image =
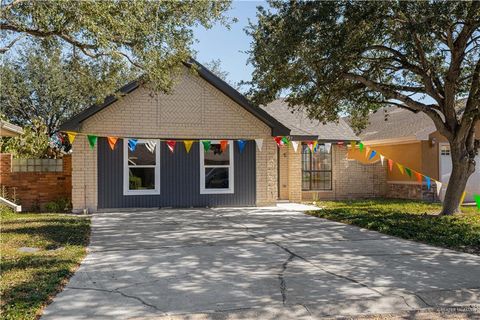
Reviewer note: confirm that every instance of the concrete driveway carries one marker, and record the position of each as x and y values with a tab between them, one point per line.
268	263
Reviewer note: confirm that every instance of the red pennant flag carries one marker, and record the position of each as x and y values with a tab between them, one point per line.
223	145
390	164
112	141
171	145
278	140
419	177
310	145
340	144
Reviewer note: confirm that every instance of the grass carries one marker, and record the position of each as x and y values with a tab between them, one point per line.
30	280
411	220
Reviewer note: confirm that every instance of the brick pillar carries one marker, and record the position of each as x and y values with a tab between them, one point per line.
295	174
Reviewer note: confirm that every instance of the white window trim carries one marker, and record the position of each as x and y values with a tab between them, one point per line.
126	185
230	188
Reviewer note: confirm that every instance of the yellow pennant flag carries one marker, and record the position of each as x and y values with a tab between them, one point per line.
353	144
400	167
463	197
188	145
71	136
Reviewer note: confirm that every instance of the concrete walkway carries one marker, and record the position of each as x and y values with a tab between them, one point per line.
266	263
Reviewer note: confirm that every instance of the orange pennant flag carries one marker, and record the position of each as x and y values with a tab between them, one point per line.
223	145
419	177
390	164
188	145
112	141
367	151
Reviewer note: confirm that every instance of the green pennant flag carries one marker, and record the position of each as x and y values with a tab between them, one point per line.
285	141
360	146
92	140
408	171
477	200
206	145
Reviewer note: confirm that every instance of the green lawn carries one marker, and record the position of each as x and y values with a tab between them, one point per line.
30	280
412	220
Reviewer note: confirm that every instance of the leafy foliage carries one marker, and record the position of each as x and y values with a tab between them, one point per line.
33	143
409	220
153	36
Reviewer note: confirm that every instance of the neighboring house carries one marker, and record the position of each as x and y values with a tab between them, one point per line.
412	140
203	107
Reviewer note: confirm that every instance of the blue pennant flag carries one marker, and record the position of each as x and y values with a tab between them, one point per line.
429	182
132	144
372	155
241	145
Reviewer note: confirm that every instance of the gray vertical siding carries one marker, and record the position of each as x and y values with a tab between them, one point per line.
179	179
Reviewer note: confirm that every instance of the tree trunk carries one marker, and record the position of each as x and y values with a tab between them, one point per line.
462	168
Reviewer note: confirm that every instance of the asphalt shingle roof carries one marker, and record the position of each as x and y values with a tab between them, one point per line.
301	125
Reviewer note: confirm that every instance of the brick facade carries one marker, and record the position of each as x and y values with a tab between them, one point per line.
412	190
194	110
350	178
34	189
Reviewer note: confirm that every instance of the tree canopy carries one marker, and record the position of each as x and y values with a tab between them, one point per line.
352	57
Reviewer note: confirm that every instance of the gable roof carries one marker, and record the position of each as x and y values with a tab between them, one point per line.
303	128
278	129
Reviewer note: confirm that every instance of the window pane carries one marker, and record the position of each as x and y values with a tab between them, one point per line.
215	156
141	155
321	160
321	180
216	178
306	181
141	178
305	157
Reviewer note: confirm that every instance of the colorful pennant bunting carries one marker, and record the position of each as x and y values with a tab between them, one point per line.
438	184
132	144
477	200
400	168
429	182
360	146
382	158
408	171
112	141
328	147
92	140
295	146
285	141
150	145
241	145
206	145
278	140
171	145
463	197
188	145
259	143
390	164
419	177
372	155
71	136
223	145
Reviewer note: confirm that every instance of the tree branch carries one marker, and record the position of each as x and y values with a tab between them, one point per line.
10	45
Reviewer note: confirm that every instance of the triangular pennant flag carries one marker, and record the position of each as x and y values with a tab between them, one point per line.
150	145
223	145
463	197
315	146
400	167
390	164
353	144
477	200
112	141
408	171
188	145
295	146
328	147
372	155
360	146
132	144
310	146
367	151
171	145
92	140
71	136
419	177
382	158
439	187
340	143
206	145
278	140
241	145
259	143
429	182
285	141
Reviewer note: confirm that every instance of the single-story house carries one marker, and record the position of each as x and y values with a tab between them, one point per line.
412	140
205	144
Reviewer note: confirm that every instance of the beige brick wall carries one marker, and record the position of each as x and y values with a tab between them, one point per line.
350	178
194	110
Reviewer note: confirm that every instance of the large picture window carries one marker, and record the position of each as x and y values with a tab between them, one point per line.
316	168
216	169
141	174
